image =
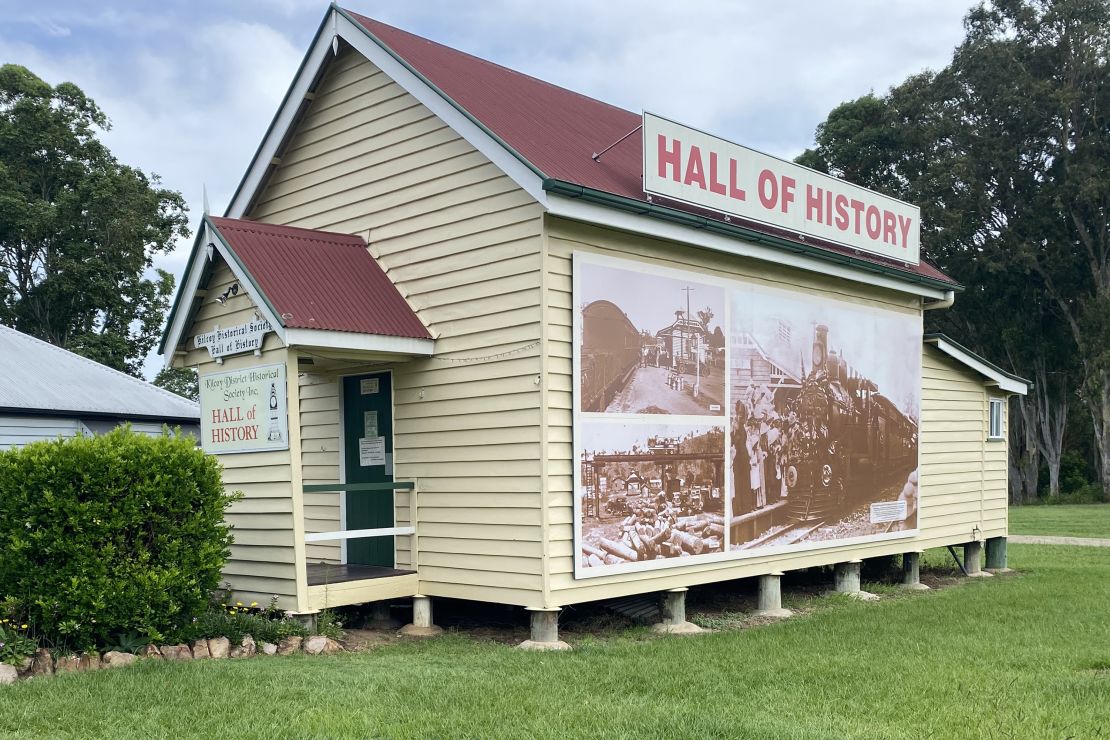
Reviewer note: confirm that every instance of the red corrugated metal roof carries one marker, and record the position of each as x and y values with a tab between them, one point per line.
320	279
558	130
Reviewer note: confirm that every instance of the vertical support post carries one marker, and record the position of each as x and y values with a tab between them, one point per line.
996	555
422	624
846	580
674	615
911	572
296	480
770	597
972	560
544	631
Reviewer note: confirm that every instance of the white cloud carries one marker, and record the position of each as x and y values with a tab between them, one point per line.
191	87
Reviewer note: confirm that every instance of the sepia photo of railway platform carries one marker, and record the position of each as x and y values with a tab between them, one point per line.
650	344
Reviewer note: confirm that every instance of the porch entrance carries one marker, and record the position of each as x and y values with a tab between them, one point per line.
368	458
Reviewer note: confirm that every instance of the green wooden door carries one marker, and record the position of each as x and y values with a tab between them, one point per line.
368	458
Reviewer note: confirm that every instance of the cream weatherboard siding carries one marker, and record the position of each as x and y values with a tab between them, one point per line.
463	245
953	430
263	559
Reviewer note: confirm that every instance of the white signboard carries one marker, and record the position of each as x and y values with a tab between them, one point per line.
244	410
234	339
696	168
371	451
368	386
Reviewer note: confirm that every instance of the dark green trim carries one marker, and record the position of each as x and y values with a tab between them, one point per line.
334	487
933	336
620	202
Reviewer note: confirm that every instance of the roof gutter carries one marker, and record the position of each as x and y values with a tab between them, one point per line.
600	197
946	302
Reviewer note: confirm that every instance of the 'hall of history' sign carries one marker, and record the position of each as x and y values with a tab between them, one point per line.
696	168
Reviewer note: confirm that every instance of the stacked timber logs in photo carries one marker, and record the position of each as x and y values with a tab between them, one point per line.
666	537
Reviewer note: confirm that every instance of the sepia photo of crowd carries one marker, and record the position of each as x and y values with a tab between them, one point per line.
824	419
649	344
650	491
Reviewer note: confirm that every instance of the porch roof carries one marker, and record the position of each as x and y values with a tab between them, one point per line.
320	279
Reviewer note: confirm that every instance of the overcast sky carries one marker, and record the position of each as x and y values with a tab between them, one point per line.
190	87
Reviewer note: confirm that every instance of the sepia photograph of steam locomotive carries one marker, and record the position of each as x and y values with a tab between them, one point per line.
649	343
824	425
649	491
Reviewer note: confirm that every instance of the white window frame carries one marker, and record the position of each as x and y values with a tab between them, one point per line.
994	432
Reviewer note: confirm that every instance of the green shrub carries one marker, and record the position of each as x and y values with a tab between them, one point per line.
109	535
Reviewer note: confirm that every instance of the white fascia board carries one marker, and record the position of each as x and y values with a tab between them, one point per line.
313	61
579	210
494	150
1004	383
330	339
410	82
187	296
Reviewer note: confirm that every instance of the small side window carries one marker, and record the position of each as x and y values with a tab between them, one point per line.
995	419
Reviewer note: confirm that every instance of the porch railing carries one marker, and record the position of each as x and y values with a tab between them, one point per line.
354	534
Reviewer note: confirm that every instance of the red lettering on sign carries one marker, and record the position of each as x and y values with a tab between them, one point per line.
768	199
904	226
734	190
874	222
842	212
857	208
670	157
788	186
888	228
714	184
815	204
695	172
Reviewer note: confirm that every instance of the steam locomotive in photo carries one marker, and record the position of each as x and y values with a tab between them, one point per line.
842	439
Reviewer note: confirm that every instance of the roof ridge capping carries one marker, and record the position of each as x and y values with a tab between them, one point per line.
246	224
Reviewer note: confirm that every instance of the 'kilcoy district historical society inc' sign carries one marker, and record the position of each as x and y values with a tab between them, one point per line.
694	167
244	410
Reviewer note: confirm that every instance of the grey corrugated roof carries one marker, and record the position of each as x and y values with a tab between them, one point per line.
36	376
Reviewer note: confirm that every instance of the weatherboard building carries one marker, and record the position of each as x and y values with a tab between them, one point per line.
388	323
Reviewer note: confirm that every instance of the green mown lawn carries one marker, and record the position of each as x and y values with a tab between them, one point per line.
1021	656
1090	520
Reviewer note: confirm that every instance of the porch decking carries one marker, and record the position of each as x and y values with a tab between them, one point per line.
320	574
332	585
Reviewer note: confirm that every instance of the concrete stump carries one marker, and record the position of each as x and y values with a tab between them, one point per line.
972	560
307	620
996	555
422	624
846	580
674	615
911	572
545	631
770	597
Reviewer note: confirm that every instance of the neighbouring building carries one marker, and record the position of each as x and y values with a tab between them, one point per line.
47	392
420	331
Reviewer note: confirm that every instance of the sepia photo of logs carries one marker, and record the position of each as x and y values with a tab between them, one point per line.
663	537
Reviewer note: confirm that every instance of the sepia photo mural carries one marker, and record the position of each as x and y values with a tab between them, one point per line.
717	418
